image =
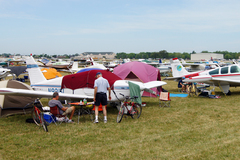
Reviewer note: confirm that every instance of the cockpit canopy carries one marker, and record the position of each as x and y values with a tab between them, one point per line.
225	70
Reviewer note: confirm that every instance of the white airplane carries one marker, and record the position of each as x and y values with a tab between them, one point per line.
223	77
45	88
93	65
58	65
200	66
4	72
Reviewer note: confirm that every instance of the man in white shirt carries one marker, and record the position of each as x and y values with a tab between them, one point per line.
101	86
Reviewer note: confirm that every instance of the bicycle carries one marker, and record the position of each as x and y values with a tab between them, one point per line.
131	108
192	90
38	115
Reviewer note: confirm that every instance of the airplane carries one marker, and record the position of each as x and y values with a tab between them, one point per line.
223	77
4	72
45	88
200	66
93	65
56	65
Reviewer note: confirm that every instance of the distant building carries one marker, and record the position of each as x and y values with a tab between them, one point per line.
98	55
206	56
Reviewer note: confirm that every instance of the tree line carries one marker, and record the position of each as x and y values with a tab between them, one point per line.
168	55
142	55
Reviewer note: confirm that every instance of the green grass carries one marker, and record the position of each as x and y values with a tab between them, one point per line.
192	128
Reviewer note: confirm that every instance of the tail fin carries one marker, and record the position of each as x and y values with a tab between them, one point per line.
92	61
34	72
45	61
74	66
177	68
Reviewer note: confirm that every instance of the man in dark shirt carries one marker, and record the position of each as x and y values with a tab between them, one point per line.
63	110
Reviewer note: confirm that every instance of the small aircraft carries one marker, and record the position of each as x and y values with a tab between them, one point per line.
93	65
75	86
56	65
223	77
200	66
4	72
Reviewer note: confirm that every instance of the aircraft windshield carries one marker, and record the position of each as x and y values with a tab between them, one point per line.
235	69
216	71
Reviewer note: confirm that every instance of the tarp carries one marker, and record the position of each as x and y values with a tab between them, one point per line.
50	73
17	70
138	71
86	79
135	91
10	105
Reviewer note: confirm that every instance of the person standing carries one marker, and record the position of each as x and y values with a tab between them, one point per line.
101	86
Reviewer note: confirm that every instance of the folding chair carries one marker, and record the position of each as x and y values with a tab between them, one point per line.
164	99
56	113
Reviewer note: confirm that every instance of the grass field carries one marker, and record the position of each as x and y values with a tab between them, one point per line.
192	128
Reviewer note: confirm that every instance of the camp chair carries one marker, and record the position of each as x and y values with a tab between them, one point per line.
55	112
164	99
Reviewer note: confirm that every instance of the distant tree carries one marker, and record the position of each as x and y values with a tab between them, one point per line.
163	54
204	52
227	56
121	55
131	55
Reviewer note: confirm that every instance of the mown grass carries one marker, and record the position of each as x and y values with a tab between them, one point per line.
192	128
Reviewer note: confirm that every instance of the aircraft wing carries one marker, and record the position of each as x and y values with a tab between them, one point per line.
40	94
173	78
153	84
192	64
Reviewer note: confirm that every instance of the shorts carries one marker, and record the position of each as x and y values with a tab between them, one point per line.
69	110
101	98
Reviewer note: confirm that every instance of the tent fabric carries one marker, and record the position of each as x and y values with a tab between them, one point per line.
17	69
10	105
88	69
50	73
135	91
86	79
138	71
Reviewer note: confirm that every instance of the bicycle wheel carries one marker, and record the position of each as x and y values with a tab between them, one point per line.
190	92
120	114
43	122
35	117
136	110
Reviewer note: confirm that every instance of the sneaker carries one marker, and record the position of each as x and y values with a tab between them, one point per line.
105	121
70	121
95	121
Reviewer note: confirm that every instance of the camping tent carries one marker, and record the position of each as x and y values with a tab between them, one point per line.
10	105
138	71
50	73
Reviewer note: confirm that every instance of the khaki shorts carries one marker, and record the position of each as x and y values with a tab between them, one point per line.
69	110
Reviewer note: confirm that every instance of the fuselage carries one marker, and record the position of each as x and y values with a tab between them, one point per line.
54	85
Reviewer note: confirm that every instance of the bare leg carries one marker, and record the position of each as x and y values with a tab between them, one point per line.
96	111
104	111
73	110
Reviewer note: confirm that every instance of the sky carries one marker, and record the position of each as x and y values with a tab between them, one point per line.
130	26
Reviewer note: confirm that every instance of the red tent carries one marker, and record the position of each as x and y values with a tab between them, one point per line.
86	79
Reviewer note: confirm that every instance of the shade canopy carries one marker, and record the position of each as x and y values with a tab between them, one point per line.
86	79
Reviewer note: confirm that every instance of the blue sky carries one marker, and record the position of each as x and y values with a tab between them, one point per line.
76	26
